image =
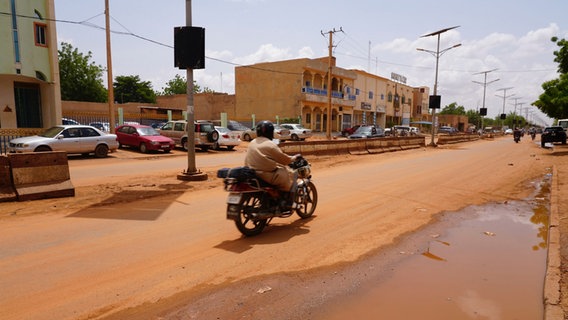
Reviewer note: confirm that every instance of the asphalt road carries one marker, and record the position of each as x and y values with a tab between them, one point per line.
156	254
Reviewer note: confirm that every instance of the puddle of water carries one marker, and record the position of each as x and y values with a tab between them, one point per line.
489	266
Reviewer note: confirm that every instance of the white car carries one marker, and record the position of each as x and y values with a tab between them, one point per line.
73	139
297	131
227	138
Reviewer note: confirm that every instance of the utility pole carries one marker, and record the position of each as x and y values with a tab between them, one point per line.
514	122
485	83
109	70
329	75
505	96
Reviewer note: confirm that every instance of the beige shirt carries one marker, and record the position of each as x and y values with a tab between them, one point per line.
265	155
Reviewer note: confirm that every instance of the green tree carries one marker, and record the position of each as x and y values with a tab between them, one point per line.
473	117
453	108
81	80
178	85
554	100
561	54
132	89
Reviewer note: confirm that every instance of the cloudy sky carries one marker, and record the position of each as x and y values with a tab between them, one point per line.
381	37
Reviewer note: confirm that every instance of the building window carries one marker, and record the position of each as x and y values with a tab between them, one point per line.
370	94
356	92
40	32
308	117
389	97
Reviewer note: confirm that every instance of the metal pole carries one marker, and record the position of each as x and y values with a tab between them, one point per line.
191	173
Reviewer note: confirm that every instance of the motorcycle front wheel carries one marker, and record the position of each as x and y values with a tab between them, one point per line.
306	199
245	222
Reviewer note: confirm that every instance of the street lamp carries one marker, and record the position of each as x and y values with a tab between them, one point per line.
505	96
484	83
437	54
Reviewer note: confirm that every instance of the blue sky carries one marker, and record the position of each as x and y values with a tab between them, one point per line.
378	36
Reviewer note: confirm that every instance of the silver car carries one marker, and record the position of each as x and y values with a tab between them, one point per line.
73	139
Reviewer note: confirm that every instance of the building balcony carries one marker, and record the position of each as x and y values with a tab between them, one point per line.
311	94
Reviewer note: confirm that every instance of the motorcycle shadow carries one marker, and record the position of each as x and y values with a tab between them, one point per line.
275	232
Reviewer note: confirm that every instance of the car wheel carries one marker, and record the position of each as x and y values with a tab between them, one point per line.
246	137
542	143
216	146
167	150
230	148
143	148
101	151
184	144
204	148
42	149
213	136
295	137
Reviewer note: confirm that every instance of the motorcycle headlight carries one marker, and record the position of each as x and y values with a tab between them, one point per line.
304	172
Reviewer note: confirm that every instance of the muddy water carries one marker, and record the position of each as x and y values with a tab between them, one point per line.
490	265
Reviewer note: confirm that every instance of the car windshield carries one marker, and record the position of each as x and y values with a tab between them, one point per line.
222	129
52	132
147	131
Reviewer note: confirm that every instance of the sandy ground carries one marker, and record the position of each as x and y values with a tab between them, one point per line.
481	185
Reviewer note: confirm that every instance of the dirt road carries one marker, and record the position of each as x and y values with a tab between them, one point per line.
155	247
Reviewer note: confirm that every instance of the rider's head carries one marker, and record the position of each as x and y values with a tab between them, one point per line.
265	129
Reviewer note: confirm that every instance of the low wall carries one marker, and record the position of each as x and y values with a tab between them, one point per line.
352	146
449	139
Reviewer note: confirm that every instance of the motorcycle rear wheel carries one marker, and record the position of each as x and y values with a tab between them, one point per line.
246	223
306	199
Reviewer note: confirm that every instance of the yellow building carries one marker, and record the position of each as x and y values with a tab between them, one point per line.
297	90
29	67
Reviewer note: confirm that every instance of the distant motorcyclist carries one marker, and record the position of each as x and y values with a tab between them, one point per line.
517	133
269	161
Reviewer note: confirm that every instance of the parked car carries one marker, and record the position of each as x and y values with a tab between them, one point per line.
404	131
349	131
103	126
232	125
227	138
144	138
448	130
69	121
297	131
205	133
508	131
368	131
280	134
73	139
553	134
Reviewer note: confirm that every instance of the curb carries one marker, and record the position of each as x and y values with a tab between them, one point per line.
551	295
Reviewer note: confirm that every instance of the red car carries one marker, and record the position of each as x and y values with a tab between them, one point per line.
143	137
349	131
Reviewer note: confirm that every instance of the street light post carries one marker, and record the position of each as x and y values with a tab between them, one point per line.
437	54
485	83
505	96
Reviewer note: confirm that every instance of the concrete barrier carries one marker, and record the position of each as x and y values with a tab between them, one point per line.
41	175
352	146
7	192
448	139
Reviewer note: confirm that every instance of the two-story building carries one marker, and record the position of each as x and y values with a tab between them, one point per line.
29	71
298	89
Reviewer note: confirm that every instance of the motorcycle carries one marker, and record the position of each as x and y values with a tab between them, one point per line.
517	136
253	203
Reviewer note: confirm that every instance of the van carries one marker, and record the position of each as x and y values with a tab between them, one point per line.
205	133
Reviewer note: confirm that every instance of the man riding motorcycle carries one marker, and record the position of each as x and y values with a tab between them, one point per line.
269	162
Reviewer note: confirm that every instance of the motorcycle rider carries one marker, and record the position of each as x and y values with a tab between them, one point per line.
269	161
